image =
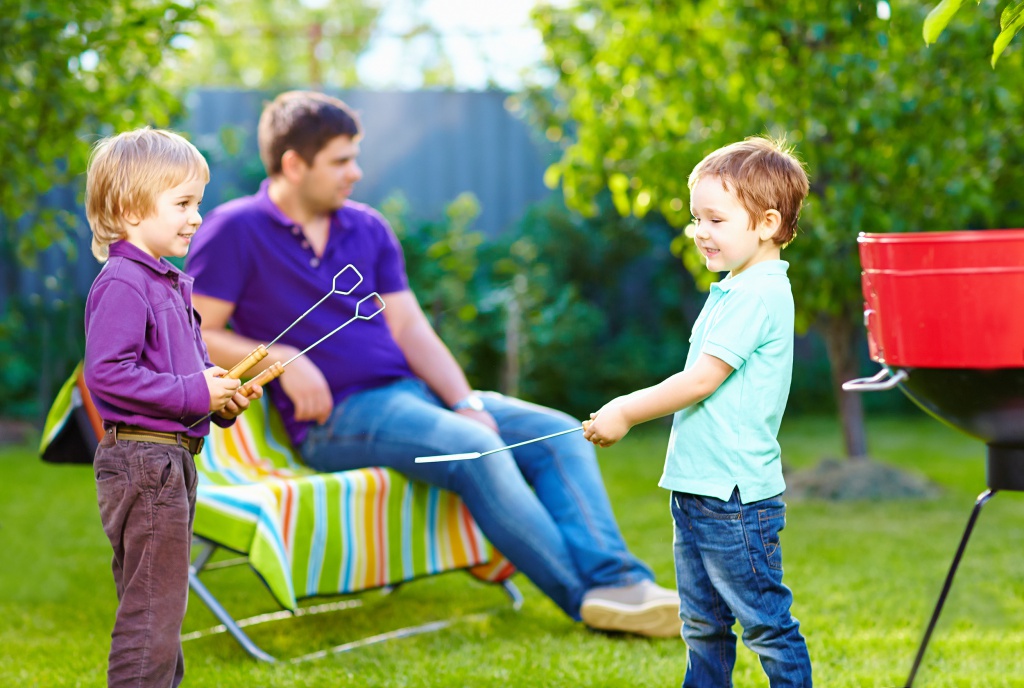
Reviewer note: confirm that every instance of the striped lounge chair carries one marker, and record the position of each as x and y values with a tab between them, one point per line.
309	534
305	534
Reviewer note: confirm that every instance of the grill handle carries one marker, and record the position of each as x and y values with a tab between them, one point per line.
878	383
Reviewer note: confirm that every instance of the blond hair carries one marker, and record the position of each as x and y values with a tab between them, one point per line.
765	175
127	173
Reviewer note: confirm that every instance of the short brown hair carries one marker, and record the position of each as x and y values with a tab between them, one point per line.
305	122
765	175
127	173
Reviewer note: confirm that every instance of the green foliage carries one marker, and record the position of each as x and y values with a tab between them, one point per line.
1011	21
279	44
442	259
563	310
41	341
895	137
70	73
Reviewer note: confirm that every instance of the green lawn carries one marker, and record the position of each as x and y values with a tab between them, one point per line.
865	576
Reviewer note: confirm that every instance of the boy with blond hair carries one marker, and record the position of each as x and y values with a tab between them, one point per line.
151	379
724	465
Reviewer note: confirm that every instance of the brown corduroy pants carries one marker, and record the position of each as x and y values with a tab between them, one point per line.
147	497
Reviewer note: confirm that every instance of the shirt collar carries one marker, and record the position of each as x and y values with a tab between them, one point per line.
762	269
126	249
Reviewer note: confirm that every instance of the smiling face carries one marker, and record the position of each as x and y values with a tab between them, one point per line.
726	236
325	185
168	229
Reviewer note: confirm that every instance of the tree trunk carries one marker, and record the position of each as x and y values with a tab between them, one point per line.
841	343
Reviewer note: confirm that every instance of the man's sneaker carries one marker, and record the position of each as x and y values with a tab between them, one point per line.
643	608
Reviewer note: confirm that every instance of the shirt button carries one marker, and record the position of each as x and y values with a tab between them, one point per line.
305	244
315	262
295	230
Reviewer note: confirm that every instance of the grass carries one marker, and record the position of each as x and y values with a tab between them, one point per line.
865	576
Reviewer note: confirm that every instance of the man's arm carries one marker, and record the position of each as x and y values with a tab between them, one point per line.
429	357
302	381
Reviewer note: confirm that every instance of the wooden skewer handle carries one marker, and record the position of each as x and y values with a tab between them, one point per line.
271	373
258	354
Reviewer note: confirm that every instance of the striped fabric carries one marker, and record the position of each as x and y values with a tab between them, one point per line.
308	533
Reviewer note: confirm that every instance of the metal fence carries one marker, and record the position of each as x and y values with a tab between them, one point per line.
430	146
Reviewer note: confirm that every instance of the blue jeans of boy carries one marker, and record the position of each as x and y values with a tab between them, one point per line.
728	569
544	505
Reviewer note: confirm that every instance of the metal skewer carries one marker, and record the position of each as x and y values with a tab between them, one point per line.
277	369
477	455
260	352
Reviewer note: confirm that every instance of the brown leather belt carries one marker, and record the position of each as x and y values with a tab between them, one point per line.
137	434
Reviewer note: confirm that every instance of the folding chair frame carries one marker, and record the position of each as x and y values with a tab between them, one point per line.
201	562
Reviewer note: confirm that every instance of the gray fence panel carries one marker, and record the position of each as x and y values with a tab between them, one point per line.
430	146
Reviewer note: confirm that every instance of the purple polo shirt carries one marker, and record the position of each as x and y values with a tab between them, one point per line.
251	254
144	355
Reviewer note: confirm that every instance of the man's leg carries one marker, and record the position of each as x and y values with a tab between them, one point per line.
567	479
544	534
391	426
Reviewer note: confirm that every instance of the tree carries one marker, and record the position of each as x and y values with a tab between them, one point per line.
279	43
1011	21
896	137
70	73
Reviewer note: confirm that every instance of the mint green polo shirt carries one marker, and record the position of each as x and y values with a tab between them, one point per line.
730	440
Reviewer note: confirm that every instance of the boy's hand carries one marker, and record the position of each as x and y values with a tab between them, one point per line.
608	425
240	402
221	388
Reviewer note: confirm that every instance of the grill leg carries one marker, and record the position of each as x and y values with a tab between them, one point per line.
980	502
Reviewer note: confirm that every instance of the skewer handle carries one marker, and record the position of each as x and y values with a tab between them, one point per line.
271	373
258	354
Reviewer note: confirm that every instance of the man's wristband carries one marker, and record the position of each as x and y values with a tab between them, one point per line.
471	401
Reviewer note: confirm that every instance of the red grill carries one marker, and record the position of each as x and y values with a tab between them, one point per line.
945	317
945	299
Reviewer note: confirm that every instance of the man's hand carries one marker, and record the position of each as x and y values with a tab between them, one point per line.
608	425
307	387
482	417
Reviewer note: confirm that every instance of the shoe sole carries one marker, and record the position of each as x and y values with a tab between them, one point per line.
654	620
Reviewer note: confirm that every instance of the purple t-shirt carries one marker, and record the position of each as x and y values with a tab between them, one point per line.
251	254
144	355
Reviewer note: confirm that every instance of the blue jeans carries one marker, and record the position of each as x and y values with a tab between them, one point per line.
544	505
729	568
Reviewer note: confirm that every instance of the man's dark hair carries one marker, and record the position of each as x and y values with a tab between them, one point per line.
302	121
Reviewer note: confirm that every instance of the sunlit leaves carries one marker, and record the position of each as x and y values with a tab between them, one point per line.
69	74
1011	21
937	20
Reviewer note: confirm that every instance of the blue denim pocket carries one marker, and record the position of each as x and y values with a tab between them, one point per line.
770	521
714	508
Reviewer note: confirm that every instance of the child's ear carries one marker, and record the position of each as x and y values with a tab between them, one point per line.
770	224
131	218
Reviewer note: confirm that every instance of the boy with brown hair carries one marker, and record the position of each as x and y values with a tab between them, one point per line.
724	464
151	379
